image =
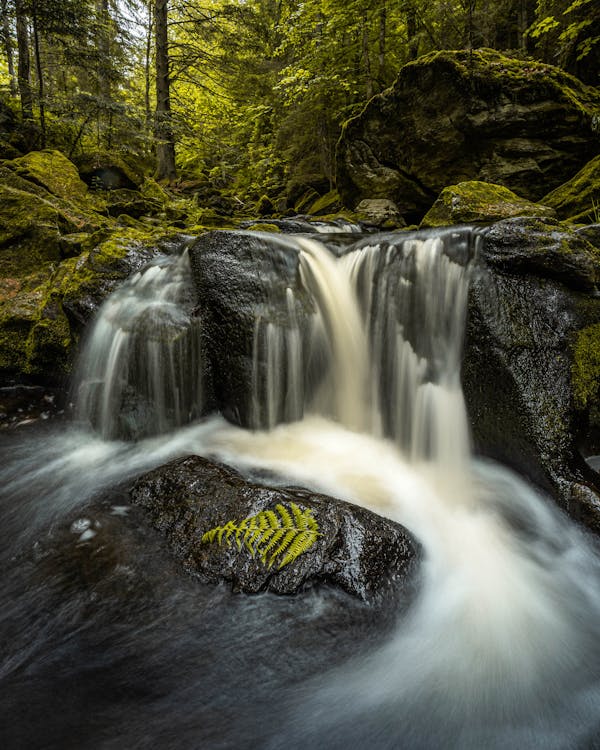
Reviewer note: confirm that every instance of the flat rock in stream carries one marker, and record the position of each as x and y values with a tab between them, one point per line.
356	550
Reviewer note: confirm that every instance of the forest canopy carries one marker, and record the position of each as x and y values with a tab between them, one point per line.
249	95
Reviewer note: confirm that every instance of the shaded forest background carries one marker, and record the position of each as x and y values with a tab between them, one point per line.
248	96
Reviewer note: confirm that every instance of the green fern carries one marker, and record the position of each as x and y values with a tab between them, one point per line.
270	534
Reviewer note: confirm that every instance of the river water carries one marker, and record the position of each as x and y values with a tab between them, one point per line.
105	645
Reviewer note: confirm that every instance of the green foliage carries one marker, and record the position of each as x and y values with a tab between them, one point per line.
270	534
568	33
585	371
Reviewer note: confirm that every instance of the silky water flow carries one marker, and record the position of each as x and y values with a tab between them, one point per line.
501	646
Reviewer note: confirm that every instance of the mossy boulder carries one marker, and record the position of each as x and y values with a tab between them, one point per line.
452	117
131	203
380	212
474	201
30	231
578	199
103	170
327	204
43	313
151	190
264	206
264	227
52	171
586	367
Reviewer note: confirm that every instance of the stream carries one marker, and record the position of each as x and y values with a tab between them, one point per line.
105	644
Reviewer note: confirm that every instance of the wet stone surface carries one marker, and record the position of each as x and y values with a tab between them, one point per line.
362	553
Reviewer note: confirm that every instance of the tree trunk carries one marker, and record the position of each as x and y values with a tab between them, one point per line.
103	48
411	30
366	57
6	35
147	69
165	142
24	72
382	33
40	73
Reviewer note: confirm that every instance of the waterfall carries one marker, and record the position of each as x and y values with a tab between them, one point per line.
385	341
140	370
353	384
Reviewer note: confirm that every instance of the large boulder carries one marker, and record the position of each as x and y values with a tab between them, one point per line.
60	255
52	171
242	283
578	199
44	311
468	115
359	551
529	385
103	170
474	201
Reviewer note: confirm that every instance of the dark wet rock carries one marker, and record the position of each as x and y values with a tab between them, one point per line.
358	551
467	115
532	292
545	248
241	279
24	403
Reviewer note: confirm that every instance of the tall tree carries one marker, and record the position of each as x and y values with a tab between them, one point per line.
165	141
8	47
24	64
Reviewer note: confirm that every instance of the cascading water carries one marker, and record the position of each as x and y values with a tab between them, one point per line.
499	650
140	372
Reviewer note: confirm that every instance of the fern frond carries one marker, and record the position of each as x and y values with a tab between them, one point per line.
287	540
297	547
270	534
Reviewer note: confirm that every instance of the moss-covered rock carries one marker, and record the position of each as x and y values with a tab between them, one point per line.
305	201
43	313
103	170
531	367
328	204
586	366
451	117
263	227
131	203
53	171
578	200
151	190
544	248
264	206
380	212
30	231
475	201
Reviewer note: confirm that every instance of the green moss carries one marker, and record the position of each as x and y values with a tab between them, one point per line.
475	201
264	206
327	204
263	227
306	200
53	171
35	336
578	200
585	371
151	189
